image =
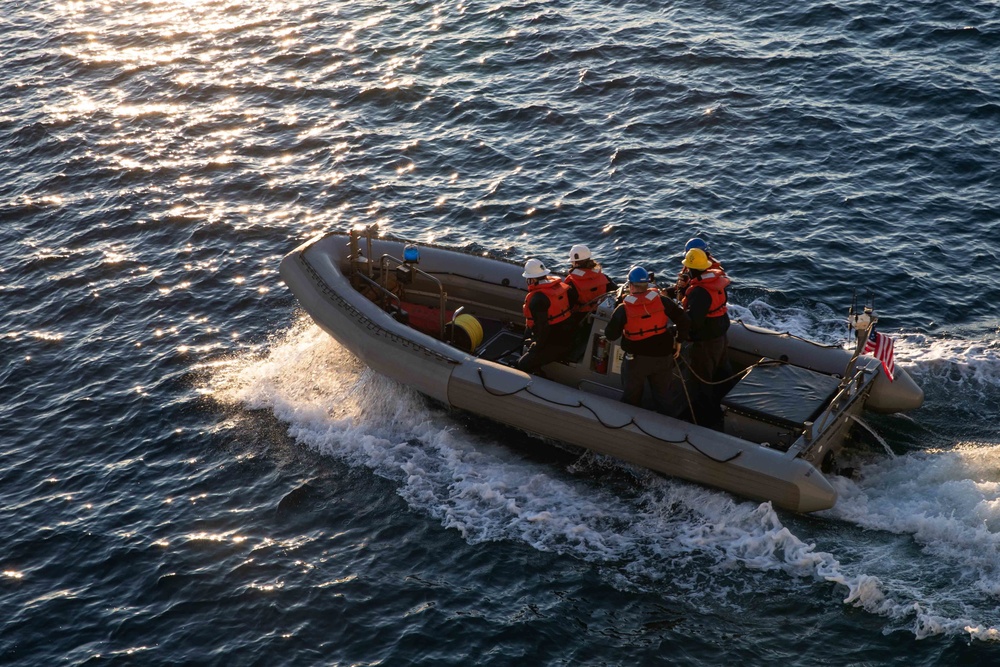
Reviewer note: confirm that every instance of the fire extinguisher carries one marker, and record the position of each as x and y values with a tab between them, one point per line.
599	359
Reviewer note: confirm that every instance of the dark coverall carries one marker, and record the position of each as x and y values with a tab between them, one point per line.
707	357
549	343
652	360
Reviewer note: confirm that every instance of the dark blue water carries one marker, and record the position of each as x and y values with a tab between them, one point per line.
192	473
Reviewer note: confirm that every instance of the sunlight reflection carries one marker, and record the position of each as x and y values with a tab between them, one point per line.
268	588
338	582
115	255
204	536
47	336
80	106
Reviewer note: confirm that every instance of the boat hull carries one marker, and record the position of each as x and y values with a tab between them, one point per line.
638	436
318	274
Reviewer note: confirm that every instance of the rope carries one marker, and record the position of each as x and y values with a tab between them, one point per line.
694	420
489	391
739	374
687	395
580	404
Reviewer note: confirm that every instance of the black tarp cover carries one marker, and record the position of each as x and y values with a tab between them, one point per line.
783	394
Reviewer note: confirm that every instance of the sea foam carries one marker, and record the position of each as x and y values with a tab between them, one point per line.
647	529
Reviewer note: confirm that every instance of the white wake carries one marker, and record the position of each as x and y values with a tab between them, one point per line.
927	558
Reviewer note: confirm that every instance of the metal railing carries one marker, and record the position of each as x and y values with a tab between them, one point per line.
442	295
382	291
361	266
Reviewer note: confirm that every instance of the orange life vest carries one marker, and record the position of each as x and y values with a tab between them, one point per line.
589	285
644	315
715	265
558	293
715	282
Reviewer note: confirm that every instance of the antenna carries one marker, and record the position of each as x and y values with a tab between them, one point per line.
861	321
851	313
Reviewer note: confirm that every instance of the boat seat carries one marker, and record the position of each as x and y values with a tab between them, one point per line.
491	327
500	346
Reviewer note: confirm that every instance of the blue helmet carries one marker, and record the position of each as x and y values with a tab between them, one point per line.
637	274
411	254
695	243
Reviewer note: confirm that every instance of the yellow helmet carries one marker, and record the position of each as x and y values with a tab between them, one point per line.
696	259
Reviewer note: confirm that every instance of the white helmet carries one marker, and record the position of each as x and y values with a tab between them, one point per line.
578	253
534	268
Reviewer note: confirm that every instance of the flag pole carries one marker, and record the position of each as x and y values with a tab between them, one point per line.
862	323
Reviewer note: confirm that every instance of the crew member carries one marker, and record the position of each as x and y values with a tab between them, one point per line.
651	344
588	279
701	245
547	310
676	291
705	301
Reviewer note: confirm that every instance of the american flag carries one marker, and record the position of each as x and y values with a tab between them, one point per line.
881	347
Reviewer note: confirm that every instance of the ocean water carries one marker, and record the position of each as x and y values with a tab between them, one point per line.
192	473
